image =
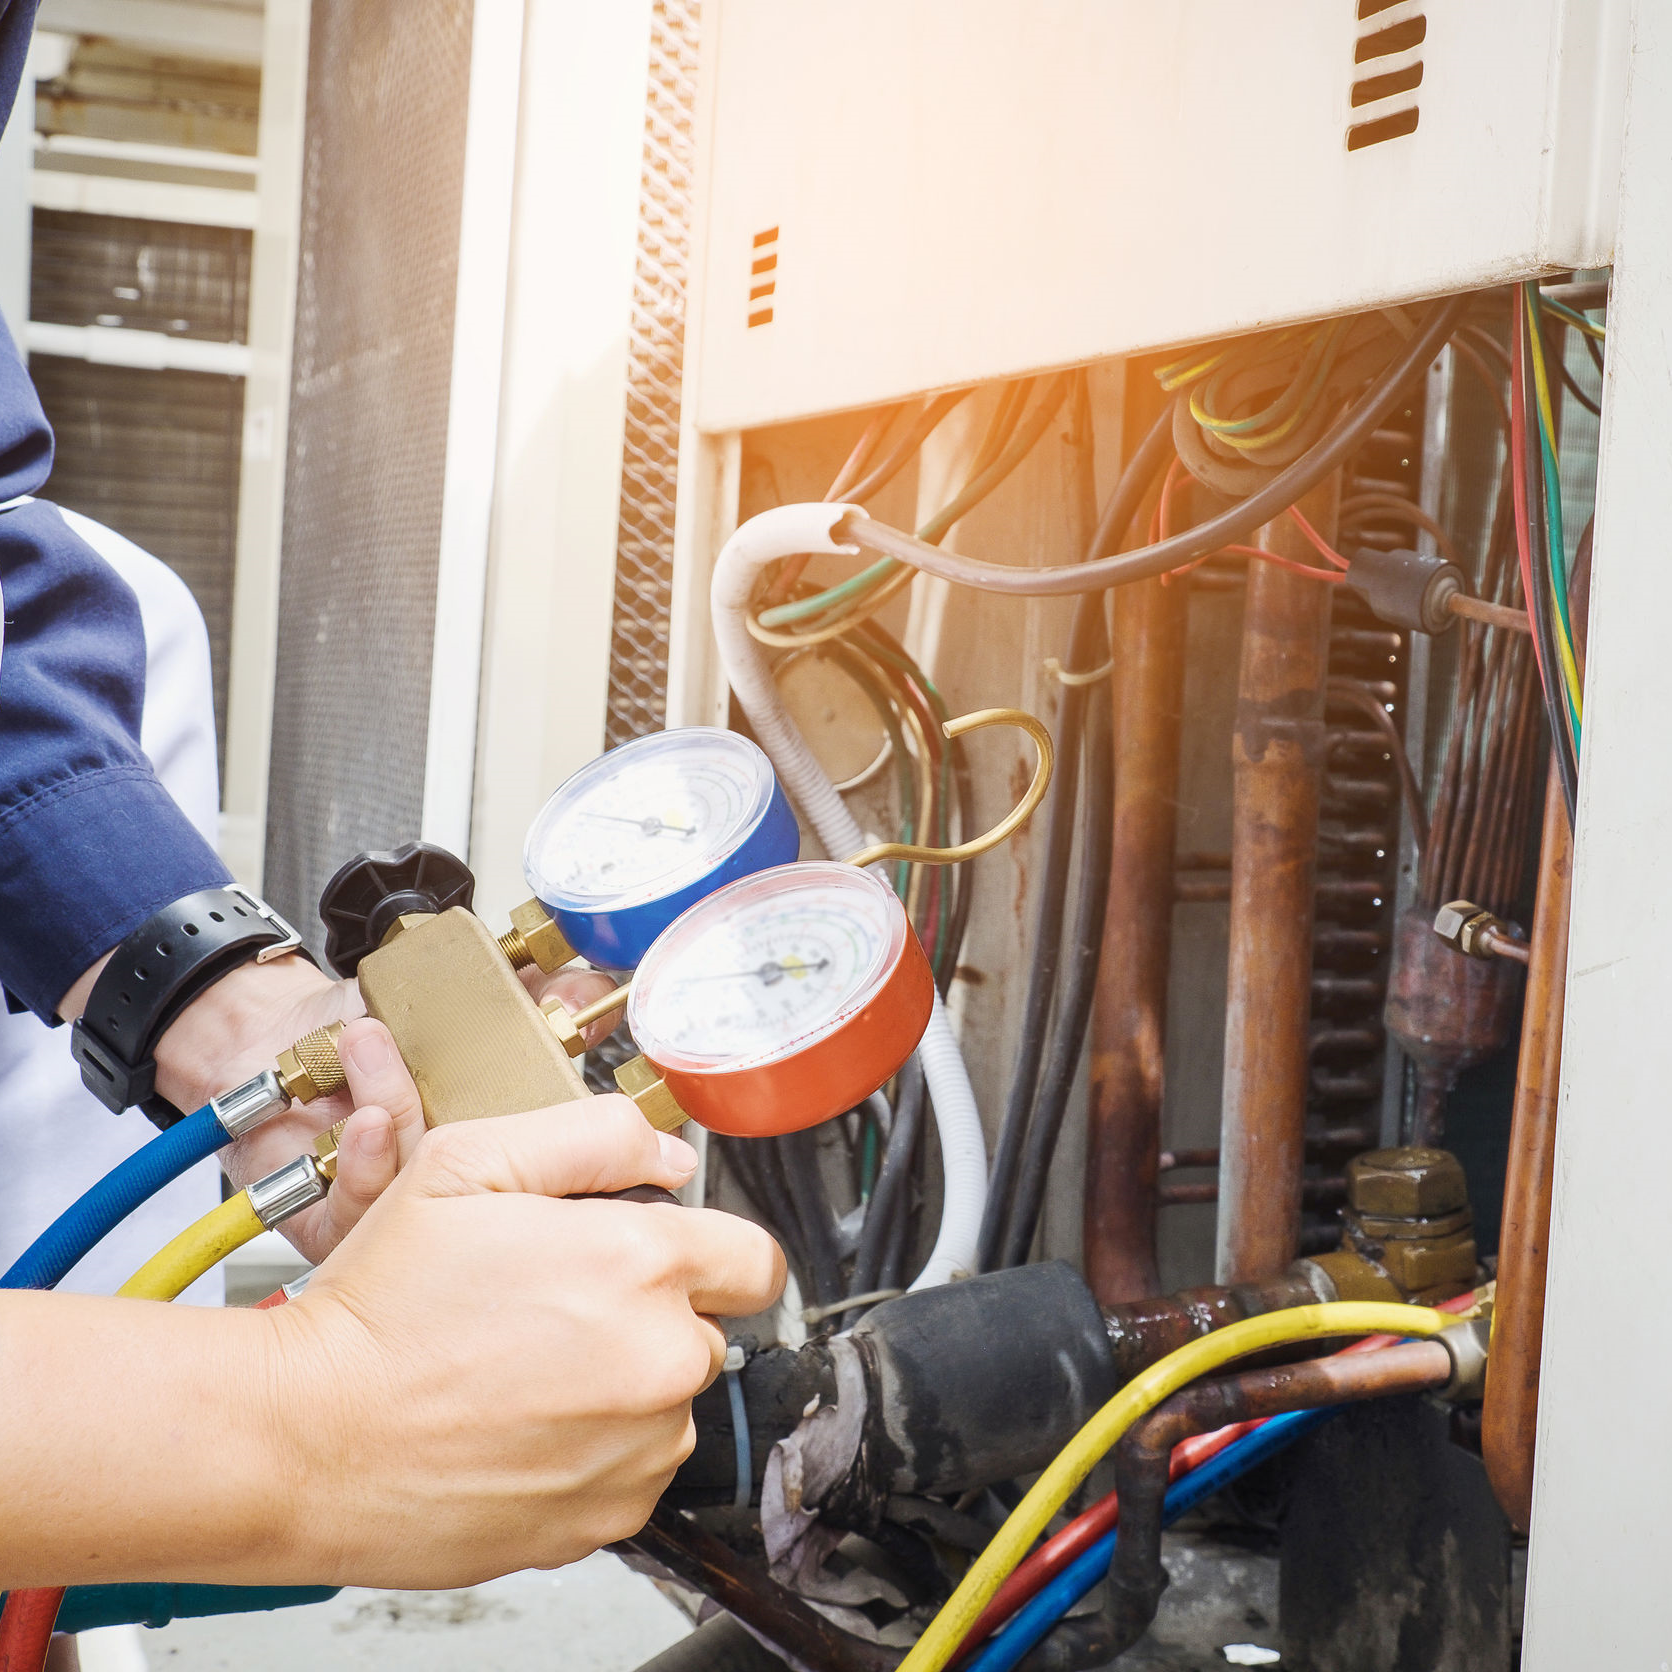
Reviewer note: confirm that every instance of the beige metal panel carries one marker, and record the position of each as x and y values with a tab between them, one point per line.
558	475
255	595
220	29
1601	1538
962	189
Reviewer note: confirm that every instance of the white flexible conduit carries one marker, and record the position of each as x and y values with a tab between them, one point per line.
780	533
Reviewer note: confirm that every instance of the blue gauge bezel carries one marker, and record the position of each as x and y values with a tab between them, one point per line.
618	937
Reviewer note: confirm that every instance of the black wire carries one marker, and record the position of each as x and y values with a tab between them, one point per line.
1229	526
1594	349
1541	605
1068	1038
743	1156
1047	945
891	1192
1554	356
902	1232
1088	644
798	1151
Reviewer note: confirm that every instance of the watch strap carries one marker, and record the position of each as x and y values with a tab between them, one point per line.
154	974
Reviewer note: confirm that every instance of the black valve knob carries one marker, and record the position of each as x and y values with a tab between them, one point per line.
361	902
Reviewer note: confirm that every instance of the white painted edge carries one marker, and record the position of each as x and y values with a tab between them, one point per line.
145	200
110	345
490	155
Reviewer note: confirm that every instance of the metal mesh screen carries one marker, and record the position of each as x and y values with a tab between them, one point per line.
388	91
650	459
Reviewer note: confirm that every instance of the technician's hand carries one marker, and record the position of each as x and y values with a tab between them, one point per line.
485	1377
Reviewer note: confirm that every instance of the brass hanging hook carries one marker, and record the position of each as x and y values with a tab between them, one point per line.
1009	824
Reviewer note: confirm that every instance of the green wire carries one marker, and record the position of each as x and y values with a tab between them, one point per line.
1553	513
1574	317
1312	371
833	597
867	1155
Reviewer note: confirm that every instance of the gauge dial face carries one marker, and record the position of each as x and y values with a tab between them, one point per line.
764	967
647	818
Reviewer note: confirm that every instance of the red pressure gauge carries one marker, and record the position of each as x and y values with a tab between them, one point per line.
782	1000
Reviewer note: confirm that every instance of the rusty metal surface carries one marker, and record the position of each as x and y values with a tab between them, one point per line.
1394	1556
1447	1011
1143	1458
1511	1409
1278	757
1129	1021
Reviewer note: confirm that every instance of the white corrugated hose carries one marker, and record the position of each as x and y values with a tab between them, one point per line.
784	532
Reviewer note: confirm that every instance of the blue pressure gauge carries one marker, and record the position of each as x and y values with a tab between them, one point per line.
636	836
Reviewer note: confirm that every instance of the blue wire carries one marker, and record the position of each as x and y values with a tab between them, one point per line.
43	1264
1051	1601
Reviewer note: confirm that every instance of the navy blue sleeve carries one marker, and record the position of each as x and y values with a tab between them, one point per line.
91	844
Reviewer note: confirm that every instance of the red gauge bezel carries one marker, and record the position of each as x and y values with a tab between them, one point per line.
826	1079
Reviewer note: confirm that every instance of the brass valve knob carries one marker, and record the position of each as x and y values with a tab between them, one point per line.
640	1081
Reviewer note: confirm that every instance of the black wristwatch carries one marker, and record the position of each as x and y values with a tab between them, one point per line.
154	974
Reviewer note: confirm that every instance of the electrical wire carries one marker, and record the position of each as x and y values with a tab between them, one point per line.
80	1228
1057	580
1145	1391
1555	538
872	587
1525	468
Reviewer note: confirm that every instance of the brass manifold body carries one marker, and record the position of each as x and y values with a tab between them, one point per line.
468	1030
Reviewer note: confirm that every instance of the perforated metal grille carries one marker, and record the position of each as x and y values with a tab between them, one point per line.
650	460
382	188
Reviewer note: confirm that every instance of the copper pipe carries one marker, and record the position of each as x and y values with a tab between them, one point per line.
1317	1192
1278	757
1511	1409
1196	891
1129	1021
706	1563
1144	1456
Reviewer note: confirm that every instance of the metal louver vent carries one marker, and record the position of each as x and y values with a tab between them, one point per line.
1387	71
650	461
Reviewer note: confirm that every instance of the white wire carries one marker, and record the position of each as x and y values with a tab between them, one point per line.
785	532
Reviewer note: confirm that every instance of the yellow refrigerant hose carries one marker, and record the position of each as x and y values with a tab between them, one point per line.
179	1264
1145	1391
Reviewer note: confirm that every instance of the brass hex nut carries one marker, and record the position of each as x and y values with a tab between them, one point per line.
1408	1183
639	1079
540	936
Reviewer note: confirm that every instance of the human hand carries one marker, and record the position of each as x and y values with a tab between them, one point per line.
237	1027
486	1378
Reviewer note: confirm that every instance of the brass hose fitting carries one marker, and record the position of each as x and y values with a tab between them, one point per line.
311	1067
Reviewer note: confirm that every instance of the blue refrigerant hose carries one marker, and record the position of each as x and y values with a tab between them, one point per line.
44	1263
1041	1611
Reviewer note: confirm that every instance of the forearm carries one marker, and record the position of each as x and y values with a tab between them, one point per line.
145	1442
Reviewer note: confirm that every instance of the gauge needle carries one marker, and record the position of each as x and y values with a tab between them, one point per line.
651	826
770	972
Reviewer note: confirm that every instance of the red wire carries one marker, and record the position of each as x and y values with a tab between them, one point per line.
1324	549
26	1628
1062	1548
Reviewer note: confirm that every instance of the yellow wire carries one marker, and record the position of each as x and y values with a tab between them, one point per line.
197	1249
1547	416
1142	1394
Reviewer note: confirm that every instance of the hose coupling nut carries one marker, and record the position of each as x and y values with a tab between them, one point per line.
311	1067
286	1190
245	1107
1467	1343
1478	933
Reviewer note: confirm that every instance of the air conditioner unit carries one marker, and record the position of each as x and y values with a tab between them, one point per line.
902	198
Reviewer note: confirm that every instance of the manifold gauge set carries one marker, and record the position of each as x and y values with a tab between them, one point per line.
769	995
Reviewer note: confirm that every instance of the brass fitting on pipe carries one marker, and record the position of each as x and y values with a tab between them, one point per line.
1479	933
533	939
